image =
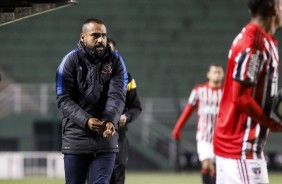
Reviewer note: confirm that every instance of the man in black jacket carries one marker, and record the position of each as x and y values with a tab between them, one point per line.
131	111
91	89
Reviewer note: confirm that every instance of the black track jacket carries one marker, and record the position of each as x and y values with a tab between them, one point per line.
132	107
90	87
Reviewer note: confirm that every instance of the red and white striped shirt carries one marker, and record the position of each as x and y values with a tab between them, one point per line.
207	100
253	62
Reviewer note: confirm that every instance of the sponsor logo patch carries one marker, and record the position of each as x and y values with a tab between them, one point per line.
257	171
107	68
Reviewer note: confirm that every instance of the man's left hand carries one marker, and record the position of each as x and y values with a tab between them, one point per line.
122	121
109	130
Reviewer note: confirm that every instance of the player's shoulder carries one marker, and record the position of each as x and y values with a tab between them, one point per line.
115	57
252	36
70	58
72	54
200	86
129	77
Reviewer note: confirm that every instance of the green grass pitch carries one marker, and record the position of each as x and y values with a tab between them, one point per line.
141	178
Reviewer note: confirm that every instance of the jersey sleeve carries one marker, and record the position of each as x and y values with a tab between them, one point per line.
193	98
243	100
248	65
186	113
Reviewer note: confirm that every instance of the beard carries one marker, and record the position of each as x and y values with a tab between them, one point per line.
99	50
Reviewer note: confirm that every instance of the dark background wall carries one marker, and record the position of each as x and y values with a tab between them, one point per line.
167	45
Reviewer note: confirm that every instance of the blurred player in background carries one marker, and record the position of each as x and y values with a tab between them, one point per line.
91	90
206	97
131	111
251	81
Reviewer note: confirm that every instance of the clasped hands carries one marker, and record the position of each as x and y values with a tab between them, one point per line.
98	126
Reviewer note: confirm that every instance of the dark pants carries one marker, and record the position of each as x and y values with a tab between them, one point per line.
118	176
96	169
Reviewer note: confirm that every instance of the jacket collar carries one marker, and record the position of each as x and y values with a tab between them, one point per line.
93	58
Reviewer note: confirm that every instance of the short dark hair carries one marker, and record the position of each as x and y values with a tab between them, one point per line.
262	8
111	40
87	21
215	65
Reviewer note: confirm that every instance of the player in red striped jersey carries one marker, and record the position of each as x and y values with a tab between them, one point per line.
206	97
251	82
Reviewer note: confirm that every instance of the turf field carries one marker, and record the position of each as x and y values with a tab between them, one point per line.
141	178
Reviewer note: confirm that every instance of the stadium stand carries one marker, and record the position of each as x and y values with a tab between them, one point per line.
160	41
14	10
167	46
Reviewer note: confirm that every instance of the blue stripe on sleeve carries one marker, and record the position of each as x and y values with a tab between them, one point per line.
125	76
60	73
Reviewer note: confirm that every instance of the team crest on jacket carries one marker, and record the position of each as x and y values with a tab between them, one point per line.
257	171
107	68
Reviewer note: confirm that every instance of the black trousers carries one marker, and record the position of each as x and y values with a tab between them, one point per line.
98	169
118	176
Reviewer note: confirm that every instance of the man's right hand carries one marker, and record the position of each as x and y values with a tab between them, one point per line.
95	125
